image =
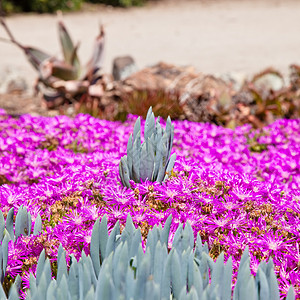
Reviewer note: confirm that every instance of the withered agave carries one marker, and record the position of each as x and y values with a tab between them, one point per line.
64	81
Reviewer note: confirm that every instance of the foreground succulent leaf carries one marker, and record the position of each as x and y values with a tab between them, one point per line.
22	222
2	226
37	225
10	223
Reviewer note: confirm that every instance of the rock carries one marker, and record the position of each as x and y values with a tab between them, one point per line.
11	81
235	79
196	95
123	67
161	76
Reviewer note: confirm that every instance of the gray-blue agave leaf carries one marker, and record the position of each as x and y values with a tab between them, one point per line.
170	166
130	283
198	247
136	158
95	247
192	295
166	279
47	271
273	286
10	223
28	295
130	155
29	223
13	293
2	274
143	272
116	260
152	240
165	140
149	125
89	265
87	278
157	160
245	257
90	295
163	162
203	268
18	282
137	129
160	258
103	234
2	226
149	113
73	280
40	267
111	242
21	224
60	252
80	278
269	268
178	239
62	292
291	294
225	284
121	173
2	293
184	263
141	256
105	287
247	290
262	283
243	277
177	276
194	277
217	272
164	233
37	225
151	141
169	131
51	291
152	291
183	294
5	255
183	238
147	161
32	283
129	230
124	172
158	133
61	264
120	269
41	288
136	240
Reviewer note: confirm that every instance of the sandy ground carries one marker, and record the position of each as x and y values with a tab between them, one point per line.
214	36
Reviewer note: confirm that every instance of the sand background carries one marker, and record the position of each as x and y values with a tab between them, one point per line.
214	36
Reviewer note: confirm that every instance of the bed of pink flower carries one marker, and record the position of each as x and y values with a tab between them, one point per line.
67	171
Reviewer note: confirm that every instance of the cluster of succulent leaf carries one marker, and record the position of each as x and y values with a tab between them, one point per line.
64	80
119	268
235	187
10	231
150	160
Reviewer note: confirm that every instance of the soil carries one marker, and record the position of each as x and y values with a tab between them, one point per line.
213	36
